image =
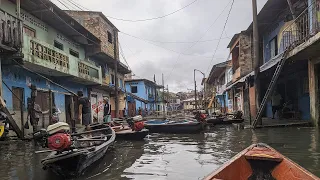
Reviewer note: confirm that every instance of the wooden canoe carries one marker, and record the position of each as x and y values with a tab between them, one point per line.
72	163
124	132
174	127
259	161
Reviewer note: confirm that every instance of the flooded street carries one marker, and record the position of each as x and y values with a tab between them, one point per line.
170	157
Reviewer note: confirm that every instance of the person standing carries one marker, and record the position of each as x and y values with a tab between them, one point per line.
276	103
125	113
84	112
106	111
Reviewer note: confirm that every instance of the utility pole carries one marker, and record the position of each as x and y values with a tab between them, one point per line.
163	95
195	90
115	34
256	55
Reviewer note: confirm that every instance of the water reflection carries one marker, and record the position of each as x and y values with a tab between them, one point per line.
163	156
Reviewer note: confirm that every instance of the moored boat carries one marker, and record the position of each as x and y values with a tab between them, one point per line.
76	151
125	132
260	161
215	120
181	126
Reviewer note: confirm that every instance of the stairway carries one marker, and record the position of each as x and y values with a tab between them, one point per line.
270	88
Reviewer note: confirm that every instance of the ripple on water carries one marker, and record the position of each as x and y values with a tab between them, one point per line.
171	157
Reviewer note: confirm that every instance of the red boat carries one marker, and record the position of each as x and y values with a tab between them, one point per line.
259	161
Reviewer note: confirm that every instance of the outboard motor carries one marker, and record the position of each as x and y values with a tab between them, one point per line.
136	123
57	137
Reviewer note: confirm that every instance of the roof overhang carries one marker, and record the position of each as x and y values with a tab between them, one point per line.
216	71
52	15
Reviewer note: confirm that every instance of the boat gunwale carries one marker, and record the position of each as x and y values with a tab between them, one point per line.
243	152
82	151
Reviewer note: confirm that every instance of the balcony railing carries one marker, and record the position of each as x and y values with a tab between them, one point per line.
11	37
297	32
48	54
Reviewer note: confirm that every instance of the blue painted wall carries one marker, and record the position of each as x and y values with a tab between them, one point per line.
17	77
303	103
267	37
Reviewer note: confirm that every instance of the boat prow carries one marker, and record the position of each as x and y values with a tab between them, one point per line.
259	161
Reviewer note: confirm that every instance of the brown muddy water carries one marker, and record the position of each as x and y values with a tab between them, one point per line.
170	157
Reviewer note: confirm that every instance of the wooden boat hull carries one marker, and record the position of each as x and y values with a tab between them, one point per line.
175	128
232	121
214	121
259	161
73	163
132	135
125	133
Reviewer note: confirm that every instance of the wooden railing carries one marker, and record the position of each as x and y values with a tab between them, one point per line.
11	37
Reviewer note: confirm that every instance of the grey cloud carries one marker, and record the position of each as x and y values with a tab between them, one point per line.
187	25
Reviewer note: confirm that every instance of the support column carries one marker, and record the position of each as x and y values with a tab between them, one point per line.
313	92
1	94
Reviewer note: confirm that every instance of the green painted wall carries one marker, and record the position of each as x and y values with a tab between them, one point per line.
43	31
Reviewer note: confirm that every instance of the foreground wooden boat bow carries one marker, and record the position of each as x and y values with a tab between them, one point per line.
259	161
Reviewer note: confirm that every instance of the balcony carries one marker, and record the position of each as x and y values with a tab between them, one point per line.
47	59
302	35
10	33
297	32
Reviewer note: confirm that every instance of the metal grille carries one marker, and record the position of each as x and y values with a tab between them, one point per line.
299	31
48	54
83	68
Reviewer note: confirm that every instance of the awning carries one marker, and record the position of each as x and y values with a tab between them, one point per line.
137	98
272	62
241	80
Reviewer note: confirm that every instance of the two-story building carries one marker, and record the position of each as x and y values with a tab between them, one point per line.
292	29
218	78
106	56
54	46
150	98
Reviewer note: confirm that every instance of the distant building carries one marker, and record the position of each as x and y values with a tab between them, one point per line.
144	94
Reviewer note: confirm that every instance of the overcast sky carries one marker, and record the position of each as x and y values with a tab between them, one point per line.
187	25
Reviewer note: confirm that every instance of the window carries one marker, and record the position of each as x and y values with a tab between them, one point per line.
109	37
58	45
274	47
74	53
29	31
134	89
112	79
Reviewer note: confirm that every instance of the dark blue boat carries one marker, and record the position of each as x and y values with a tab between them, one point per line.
169	126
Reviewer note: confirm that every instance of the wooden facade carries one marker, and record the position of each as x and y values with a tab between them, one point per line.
11	37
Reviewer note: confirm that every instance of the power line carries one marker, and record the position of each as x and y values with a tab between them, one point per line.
154	18
63	4
69	24
201	36
124	58
174	42
224	27
77	5
180	53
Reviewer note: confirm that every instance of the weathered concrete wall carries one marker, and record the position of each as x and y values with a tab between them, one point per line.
99	27
245	55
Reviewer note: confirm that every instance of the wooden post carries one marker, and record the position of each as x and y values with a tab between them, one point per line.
256	55
313	91
291	9
116	73
50	107
0	77
72	116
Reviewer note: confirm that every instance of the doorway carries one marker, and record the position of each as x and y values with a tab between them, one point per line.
18	105
43	100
